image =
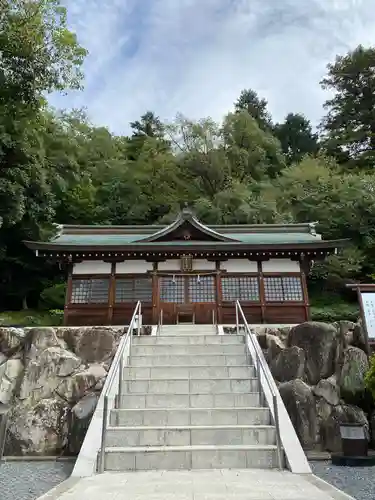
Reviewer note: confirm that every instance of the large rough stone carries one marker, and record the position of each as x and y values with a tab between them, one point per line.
320	342
80	418
11	338
345	326
39	429
96	344
42	338
328	390
354	368
359	338
86	406
330	437
274	346
46	372
300	404
74	388
289	364
10	374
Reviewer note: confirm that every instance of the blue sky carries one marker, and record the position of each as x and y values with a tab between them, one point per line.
195	56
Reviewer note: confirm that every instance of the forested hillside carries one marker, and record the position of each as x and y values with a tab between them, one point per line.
57	167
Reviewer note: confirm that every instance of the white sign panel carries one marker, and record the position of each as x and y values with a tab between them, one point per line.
368	300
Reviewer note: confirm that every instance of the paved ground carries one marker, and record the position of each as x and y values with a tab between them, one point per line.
28	480
194	485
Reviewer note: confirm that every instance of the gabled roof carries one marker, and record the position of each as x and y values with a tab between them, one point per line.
186	233
187	222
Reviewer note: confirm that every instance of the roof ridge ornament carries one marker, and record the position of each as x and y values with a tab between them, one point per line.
186	211
312	227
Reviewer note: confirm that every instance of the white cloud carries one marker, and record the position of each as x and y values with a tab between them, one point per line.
195	56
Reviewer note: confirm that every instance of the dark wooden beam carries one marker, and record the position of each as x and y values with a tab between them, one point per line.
111	292
68	294
262	294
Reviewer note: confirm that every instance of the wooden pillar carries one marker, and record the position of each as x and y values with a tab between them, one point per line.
155	294
68	294
111	293
304	266
219	295
262	294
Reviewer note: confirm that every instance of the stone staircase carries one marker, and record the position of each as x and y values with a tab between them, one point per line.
190	401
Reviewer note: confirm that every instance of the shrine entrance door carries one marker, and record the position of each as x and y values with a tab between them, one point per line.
187	298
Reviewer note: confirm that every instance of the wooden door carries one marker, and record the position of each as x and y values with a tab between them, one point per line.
187	298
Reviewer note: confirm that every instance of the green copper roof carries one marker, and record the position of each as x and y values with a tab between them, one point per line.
186	231
87	240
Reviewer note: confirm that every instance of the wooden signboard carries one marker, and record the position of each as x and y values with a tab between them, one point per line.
368	304
366	300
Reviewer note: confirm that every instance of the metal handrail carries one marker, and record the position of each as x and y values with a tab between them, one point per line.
117	368
262	365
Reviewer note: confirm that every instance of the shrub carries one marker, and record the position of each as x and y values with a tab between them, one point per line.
335	312
57	317
370	377
54	296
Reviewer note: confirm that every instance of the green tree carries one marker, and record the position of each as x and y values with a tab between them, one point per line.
148	127
349	126
200	155
342	203
252	152
296	137
256	107
38	55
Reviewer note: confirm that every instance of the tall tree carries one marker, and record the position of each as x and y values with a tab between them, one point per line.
349	127
38	55
200	155
252	152
256	107
296	137
148	127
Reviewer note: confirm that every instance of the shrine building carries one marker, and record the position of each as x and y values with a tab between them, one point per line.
186	271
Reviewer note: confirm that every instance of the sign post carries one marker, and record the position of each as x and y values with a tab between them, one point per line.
366	300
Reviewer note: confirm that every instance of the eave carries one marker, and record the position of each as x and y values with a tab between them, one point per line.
48	249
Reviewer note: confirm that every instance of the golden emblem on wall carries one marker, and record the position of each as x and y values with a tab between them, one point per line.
186	263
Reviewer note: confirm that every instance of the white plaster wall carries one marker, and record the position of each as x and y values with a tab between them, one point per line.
170	265
203	265
92	267
239	266
133	267
280	266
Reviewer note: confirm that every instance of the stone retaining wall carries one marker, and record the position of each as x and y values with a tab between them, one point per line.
52	377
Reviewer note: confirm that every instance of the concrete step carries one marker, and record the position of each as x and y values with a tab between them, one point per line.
187	435
188	339
191	457
164	359
187	372
199	400
191	386
252	415
191	329
190	349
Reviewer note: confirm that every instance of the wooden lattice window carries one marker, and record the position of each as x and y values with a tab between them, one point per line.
133	289
172	289
245	288
90	291
283	289
202	289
